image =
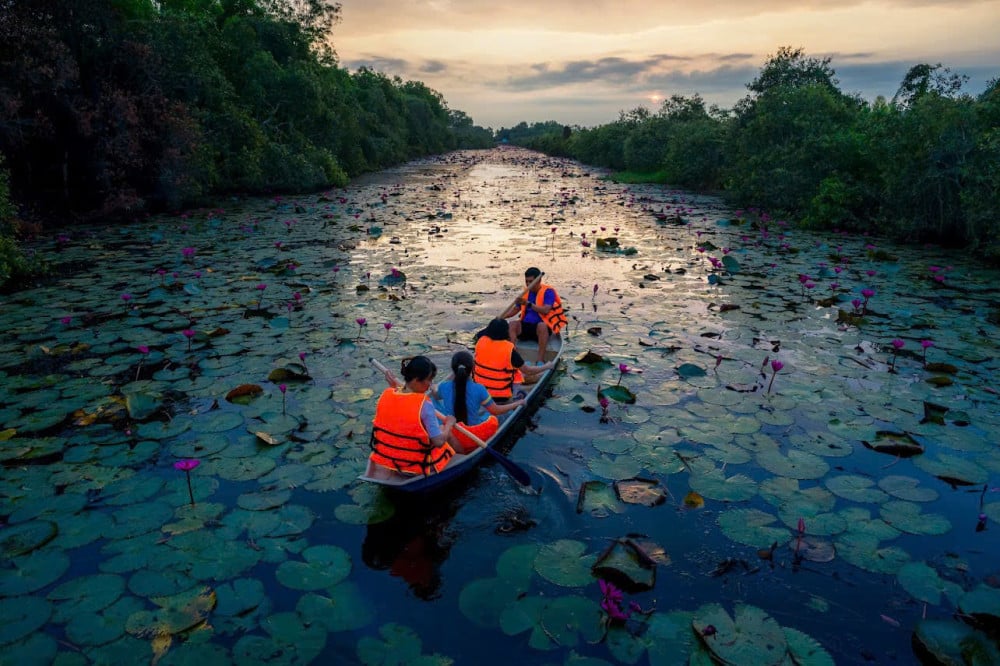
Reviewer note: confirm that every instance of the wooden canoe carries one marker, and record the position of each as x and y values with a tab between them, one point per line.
460	463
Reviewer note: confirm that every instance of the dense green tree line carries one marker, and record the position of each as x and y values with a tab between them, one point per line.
922	166
120	106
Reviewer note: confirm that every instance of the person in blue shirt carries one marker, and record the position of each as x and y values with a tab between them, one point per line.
470	403
538	313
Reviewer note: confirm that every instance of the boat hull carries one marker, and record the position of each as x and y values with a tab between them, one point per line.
461	464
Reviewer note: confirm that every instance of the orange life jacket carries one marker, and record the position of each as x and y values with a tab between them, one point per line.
492	366
483	431
555	319
399	440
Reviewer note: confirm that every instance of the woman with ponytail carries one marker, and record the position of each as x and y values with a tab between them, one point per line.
470	403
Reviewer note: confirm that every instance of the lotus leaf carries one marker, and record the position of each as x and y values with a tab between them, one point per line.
647	492
137	519
597	499
618	467
749	637
796	464
291	475
863	551
906	488
20	617
177	613
690	370
346	609
21	539
553	622
399	645
951	642
618	394
37	648
324	566
565	563
806	650
627	566
291	640
87	629
860	521
244	394
716	485
856	488
952	469
29	573
241	469
895	443
80	529
86	594
147	583
983	603
219	422
335	477
751	527
263	500
239	597
907	517
924	583
812	549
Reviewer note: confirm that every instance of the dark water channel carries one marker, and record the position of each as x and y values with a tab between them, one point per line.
120	367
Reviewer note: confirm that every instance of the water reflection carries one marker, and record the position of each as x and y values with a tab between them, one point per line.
416	541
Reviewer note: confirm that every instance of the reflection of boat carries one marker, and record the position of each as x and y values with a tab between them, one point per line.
462	463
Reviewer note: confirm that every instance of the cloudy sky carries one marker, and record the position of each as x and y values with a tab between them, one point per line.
580	62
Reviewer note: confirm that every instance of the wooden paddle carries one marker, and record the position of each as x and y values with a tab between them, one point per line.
514	302
516	472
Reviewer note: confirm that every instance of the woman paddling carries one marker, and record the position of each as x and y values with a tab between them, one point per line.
406	435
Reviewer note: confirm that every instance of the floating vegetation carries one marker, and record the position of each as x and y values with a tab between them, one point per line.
717	404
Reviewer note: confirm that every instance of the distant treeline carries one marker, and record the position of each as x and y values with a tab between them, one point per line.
924	166
122	106
111	105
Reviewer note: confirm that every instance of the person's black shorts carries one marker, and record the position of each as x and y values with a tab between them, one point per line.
530	332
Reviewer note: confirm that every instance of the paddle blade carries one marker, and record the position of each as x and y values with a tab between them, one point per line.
519	474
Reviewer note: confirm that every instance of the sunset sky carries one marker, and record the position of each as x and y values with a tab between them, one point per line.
580	62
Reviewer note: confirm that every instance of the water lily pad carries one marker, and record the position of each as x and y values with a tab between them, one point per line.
900	444
983	603
806	650
749	637
239	597
795	464
28	573
647	492
951	642
288	634
346	609
690	370
263	500
907	488
618	394
925	584
716	485
625	565
752	527
399	645
952	469
21	616
244	394
563	621
598	499
21	539
87	594
176	613
856	488
812	549
565	563
324	566
242	469
908	517
87	629
864	551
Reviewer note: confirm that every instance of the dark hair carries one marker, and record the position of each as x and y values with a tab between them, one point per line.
497	329
461	365
532	272
417	367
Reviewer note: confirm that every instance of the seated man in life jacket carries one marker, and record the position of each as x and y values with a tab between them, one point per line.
539	313
406	435
497	364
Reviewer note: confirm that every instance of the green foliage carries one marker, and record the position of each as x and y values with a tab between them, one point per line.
13	262
123	106
923	167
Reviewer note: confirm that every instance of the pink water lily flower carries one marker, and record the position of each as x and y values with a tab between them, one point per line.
187	465
143	349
